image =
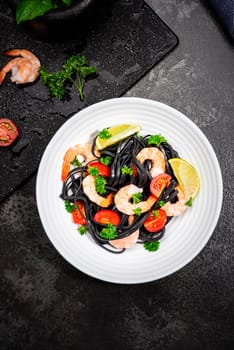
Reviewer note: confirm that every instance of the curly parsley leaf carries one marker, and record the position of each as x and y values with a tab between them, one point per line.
76	162
152	246
125	170
109	232
106	160
104	134
136	197
189	202
156	213
137	211
82	229
161	203
156	140
69	206
93	170
100	184
75	70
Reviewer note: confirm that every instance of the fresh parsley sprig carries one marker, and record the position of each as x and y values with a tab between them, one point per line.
109	232
82	229
152	246
104	134
93	170
100	184
106	160
100	181
189	202
161	203
136	197
69	206
137	211
156	140
76	162
75	70
125	170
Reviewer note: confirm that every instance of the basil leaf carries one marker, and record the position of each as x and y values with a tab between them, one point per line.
67	2
29	9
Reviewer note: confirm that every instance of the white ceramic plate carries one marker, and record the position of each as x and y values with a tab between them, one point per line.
185	236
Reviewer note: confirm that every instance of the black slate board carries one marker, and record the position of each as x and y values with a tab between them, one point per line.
126	46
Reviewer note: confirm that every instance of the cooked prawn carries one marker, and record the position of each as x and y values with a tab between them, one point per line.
24	69
126	242
123	197
90	191
157	158
176	209
84	150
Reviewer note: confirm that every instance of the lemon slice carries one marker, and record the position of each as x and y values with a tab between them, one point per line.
117	133
186	175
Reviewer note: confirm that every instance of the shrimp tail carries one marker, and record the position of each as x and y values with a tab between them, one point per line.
19	52
8	53
2	76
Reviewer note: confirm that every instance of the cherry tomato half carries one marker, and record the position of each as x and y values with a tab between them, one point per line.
103	169
8	132
107	216
156	220
158	183
78	215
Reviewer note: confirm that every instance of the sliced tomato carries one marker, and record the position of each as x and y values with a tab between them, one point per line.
8	132
158	183
134	170
103	169
78	215
107	216
156	220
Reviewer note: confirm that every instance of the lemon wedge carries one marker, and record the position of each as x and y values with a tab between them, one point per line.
115	134
186	175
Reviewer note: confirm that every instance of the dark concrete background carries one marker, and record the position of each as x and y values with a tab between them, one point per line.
47	304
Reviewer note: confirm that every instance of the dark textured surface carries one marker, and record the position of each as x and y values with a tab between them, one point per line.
47	304
123	48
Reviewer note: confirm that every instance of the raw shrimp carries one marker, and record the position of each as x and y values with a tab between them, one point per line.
126	242
84	150
123	197
24	69
90	191
176	209
157	158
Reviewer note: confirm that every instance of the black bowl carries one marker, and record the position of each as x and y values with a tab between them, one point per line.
75	20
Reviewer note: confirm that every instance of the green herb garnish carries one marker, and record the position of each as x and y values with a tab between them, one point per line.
161	203
152	246
125	170
156	213
106	160
136	197
100	184
69	206
82	229
137	211
75	70
76	162
93	170
189	202
109	232
104	134
156	140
